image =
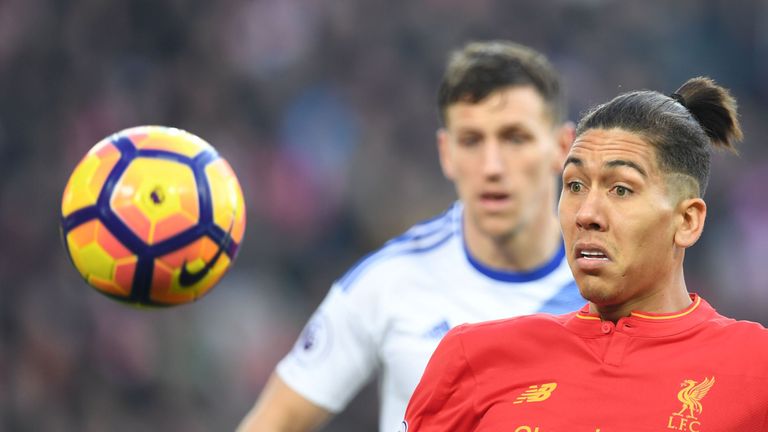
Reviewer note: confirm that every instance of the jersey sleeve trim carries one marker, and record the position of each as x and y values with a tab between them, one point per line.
421	238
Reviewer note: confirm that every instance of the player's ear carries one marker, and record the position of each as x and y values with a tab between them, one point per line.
444	151
692	213
565	135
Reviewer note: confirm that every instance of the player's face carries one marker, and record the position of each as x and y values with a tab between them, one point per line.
617	218
502	154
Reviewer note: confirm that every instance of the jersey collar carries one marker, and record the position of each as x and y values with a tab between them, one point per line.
644	324
505	275
510	276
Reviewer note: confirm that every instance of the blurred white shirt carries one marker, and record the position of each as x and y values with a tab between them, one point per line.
389	311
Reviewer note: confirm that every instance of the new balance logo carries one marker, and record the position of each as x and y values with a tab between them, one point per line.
536	393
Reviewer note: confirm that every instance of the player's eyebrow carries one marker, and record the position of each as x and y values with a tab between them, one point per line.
610	164
626	163
573	161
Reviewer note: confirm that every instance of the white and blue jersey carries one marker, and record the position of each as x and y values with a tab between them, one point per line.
387	314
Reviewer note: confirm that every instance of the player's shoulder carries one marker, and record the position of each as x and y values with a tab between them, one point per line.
749	331
511	327
404	255
738	335
519	338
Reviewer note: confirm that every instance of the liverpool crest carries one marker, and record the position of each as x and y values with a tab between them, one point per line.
690	396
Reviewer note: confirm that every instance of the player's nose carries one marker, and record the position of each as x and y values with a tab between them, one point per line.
590	214
493	164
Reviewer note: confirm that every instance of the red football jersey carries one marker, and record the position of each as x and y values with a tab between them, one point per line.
692	371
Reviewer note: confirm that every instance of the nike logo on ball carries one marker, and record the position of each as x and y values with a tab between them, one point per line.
187	278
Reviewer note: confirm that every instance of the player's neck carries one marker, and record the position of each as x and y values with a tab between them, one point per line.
669	295
525	250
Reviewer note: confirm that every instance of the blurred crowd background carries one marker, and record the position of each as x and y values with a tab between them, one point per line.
326	110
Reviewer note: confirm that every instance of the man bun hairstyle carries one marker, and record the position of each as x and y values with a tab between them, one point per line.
683	127
715	110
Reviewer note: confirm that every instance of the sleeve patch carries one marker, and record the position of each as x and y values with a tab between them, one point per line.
315	340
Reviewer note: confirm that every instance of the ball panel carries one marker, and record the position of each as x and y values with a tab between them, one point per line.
111	245
172	225
156	198
92	260
168	139
162	277
125	269
82	235
105	149
227	198
101	259
87	179
136	221
109	287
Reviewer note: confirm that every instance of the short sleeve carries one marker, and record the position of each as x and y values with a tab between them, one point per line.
443	400
336	353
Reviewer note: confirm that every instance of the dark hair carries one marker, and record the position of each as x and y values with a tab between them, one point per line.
681	127
480	68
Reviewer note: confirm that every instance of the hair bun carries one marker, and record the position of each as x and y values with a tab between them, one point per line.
679	98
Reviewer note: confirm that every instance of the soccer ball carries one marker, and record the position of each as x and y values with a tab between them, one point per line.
152	216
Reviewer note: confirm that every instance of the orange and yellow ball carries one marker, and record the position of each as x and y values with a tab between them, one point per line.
153	216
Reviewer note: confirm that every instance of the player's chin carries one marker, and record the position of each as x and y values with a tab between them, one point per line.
501	216
499	226
596	289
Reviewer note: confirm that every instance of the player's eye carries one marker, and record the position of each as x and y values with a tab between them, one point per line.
516	137
622	191
469	140
574	186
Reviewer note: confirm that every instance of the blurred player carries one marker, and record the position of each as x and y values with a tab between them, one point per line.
644	354
495	253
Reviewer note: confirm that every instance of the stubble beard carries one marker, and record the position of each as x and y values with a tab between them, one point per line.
598	291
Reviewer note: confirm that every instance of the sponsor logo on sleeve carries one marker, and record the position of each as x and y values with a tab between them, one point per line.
315	340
